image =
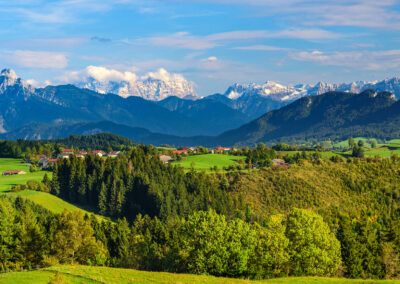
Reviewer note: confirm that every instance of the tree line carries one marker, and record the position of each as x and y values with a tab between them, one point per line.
202	243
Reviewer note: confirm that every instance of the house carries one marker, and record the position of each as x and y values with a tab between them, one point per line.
165	158
279	163
193	149
99	153
51	162
63	156
44	162
40	157
68	151
221	149
113	154
11	173
79	155
83	152
179	152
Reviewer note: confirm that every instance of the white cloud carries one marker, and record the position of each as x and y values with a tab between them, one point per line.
185	40
99	73
358	13
363	60
106	74
32	82
35	59
212	58
261	48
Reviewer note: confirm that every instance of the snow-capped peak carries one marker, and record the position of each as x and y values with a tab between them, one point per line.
9	79
152	86
9	73
281	92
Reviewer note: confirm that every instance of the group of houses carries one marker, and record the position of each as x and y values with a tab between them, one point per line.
193	150
45	161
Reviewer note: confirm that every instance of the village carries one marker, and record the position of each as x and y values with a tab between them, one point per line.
46	162
166	155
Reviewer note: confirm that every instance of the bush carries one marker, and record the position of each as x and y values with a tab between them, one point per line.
37	186
18	187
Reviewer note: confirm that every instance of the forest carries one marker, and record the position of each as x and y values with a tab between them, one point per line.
334	217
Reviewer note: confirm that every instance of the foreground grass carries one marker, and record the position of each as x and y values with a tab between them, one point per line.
90	274
207	161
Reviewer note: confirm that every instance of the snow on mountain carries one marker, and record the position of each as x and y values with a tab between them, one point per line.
280	92
11	83
153	86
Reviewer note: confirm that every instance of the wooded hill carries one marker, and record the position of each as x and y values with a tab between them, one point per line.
313	217
333	115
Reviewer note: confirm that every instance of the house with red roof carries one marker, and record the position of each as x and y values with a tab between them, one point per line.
179	152
11	173
99	153
221	149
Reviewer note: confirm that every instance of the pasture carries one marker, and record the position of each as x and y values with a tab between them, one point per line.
46	200
9	164
75	274
206	161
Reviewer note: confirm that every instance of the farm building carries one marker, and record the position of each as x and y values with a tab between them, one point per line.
113	154
221	149
51	162
99	153
40	157
63	155
178	152
11	173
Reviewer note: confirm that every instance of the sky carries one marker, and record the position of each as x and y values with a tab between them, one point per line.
211	43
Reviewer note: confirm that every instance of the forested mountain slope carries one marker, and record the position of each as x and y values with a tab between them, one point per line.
334	115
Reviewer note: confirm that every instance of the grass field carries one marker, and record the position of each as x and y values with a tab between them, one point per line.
46	200
6	182
87	274
209	160
345	143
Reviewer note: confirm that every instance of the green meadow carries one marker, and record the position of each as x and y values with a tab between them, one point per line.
207	161
75	274
9	164
46	200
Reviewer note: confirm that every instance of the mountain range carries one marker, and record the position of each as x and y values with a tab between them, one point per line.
278	92
154	86
244	114
160	85
21	104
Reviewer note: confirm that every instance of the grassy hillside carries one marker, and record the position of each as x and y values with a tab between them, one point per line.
87	274
46	200
209	160
9	164
352	188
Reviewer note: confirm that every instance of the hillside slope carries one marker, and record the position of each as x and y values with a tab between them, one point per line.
334	115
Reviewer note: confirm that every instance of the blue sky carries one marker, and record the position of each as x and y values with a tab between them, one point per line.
212	43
